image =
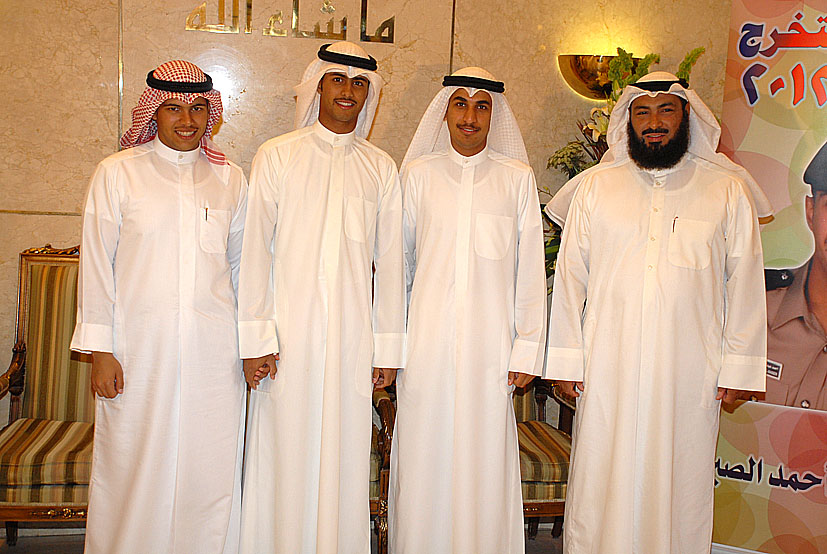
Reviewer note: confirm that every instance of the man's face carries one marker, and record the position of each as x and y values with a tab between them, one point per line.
341	100
815	208
181	125
469	120
658	130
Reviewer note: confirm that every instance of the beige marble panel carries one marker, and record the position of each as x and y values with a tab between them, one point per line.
256	73
519	43
19	233
59	83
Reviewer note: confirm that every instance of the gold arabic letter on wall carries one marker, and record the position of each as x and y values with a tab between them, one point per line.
385	31
273	27
329	33
197	19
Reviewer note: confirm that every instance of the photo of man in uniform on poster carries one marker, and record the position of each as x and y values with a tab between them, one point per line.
797	310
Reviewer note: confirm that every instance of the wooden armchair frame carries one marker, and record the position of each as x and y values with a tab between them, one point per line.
534	510
13	382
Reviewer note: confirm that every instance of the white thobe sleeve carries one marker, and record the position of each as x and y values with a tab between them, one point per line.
527	351
96	278
564	356
389	298
235	241
745	325
256	305
409	207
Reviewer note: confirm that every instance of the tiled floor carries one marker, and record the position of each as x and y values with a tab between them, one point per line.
73	544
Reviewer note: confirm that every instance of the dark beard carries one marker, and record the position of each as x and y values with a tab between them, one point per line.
659	156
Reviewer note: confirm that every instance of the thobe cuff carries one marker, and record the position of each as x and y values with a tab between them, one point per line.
389	350
257	338
524	355
565	364
92	337
743	372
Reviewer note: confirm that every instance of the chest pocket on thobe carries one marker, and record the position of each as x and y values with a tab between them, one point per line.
359	216
492	235
690	243
215	228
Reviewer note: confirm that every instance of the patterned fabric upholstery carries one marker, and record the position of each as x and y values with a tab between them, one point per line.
538	492
40	458
525	408
48	495
57	382
544	452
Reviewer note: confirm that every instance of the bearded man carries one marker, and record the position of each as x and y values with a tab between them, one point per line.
321	312
159	258
657	316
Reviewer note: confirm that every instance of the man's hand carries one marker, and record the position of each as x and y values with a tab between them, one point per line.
107	375
729	396
256	369
570	388
383	377
519	379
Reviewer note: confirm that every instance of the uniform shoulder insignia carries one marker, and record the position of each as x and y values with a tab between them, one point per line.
778	278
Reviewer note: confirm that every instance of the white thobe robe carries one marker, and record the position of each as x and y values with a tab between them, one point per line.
159	257
474	247
323	209
669	267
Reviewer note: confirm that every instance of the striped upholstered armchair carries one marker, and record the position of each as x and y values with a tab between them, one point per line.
46	450
544	458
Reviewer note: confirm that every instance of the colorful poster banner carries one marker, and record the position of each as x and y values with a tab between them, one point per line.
771	480
775	110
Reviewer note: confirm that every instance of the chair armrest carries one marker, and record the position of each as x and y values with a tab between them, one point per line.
567	409
12	380
386	409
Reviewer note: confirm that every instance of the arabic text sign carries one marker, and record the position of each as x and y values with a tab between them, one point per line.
198	20
771	479
775	110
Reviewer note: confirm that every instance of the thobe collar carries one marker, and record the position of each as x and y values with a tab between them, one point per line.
794	303
468	161
176	157
331	138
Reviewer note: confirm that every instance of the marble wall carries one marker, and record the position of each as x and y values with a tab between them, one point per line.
60	70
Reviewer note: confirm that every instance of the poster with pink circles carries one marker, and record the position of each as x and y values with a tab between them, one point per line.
771	480
774	116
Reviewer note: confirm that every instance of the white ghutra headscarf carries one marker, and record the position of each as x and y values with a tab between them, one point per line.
704	135
432	134
340	57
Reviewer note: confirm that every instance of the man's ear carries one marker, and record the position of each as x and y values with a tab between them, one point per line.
809	208
319	87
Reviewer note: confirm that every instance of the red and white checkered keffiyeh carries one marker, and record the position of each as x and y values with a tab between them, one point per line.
143	127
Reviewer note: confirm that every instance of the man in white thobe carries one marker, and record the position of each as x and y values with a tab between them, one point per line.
476	326
323	292
657	315
159	257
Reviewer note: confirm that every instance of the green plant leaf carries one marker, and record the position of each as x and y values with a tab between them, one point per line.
688	62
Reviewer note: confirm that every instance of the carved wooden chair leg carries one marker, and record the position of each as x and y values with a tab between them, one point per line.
533	527
11	533
382	516
557	528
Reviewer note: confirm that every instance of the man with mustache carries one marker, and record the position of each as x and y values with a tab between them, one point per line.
797	311
159	258
476	329
657	316
321	312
